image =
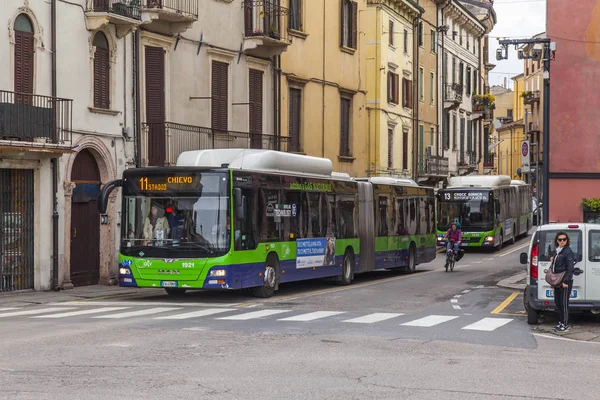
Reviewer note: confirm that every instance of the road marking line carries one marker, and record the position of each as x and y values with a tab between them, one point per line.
143	303
488	324
311	316
466	291
477	262
490	259
8	308
84	312
513	250
457	296
139	313
454	301
456	306
254	315
505	303
479	287
372	318
34	312
195	314
430	320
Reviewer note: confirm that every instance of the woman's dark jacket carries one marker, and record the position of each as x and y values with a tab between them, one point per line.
565	261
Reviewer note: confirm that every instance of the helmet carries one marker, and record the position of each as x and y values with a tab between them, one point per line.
457	225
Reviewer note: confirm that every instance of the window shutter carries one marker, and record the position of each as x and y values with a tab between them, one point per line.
155	104
391	32
410	94
390	87
354	39
256	107
390	148
345	105
396	89
219	96
342	22
23	64
101	78
294	120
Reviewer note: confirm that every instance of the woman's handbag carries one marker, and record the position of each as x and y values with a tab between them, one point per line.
552	278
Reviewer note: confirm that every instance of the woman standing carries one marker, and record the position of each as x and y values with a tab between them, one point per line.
563	261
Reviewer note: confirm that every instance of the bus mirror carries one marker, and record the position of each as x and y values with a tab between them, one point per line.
102	199
239	202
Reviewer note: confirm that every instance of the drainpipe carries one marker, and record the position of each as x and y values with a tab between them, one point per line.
323	90
274	64
279	103
136	83
54	160
416	99
444	78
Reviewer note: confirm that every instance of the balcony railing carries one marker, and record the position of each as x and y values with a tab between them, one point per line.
453	92
163	142
436	165
125	8
531	97
265	18
30	117
183	7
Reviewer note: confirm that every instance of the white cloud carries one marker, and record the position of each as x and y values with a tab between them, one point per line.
516	19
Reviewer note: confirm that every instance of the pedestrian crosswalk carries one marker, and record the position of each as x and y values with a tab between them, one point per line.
223	315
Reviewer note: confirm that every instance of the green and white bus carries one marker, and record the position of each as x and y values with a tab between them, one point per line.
492	209
240	218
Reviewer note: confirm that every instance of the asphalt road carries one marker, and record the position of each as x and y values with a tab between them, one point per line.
428	335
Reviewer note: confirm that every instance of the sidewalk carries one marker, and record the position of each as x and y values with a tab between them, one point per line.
20	299
516	282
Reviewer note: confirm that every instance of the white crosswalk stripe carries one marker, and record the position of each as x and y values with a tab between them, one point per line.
196	314
8	309
139	313
488	324
373	318
83	312
430	320
254	315
34	312
311	316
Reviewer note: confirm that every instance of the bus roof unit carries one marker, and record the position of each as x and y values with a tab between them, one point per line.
479	181
385	180
515	182
257	160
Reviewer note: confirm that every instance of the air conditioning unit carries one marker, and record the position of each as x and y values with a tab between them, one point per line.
430	151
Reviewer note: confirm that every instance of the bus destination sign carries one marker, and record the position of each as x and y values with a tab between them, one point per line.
466	196
166	183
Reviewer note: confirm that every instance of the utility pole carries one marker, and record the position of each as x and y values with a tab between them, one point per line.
547	55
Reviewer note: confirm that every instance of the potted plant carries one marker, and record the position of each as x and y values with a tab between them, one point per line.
274	32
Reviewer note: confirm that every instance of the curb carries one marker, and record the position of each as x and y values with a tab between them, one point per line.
511	282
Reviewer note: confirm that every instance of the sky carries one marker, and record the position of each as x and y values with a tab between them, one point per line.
516	19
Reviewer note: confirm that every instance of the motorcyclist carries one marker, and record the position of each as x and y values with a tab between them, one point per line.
454	233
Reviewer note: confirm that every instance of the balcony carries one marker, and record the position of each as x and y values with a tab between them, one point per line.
453	95
170	17
163	142
265	28
533	127
531	97
34	122
488	164
482	104
124	14
436	166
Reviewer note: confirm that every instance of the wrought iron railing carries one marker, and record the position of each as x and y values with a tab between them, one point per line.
163	142
183	7
453	92
125	8
27	117
531	97
436	165
266	18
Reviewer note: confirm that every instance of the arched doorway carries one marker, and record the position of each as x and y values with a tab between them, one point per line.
85	222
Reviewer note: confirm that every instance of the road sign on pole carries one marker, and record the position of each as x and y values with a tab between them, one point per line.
525	157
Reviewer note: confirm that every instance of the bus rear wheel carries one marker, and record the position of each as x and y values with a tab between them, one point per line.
175	291
346	277
412	259
270	277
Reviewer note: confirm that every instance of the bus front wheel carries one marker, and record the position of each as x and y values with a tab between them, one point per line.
270	278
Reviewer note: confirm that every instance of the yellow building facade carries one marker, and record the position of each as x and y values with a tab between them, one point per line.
392	89
508	155
323	84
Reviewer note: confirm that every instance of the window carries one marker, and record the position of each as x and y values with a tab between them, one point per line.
509	113
407	93
382	220
420	34
462	140
349	24
101	71
391	34
461	74
405	41
421	83
431	87
431	137
421	147
433	41
468	81
345	118
295	15
390	148
219	106
24	54
470	137
393	87
475	82
256	107
453	128
404	150
345	216
295	120
468	42
453	69
460	38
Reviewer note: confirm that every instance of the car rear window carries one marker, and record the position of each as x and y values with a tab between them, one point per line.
546	243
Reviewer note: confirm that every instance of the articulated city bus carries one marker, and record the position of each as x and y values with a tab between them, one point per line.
492	209
239	218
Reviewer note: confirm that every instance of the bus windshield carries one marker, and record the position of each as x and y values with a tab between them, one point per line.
171	224
473	212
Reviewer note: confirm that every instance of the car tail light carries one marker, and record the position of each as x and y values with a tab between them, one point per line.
573	226
533	267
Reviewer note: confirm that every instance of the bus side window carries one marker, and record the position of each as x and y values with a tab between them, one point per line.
331	222
248	228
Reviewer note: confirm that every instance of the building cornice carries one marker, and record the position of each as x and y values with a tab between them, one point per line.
407	8
464	18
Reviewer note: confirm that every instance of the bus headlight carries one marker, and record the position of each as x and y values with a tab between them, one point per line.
218	272
489	239
124	271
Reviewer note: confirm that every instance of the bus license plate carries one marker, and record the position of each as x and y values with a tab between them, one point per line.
550	293
168	284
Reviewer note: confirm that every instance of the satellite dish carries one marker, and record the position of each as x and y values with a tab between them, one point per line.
497	124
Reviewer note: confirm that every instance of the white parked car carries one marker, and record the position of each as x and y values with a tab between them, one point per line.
585	243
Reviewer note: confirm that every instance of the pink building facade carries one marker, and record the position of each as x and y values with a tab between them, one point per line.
574	107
